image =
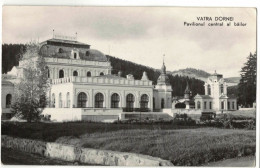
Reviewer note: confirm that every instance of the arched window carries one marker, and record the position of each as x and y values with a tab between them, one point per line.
60	100
115	100
99	100
68	99
60	50
144	101
221	88
101	74
209	90
61	74
75	73
82	100
87	53
8	100
130	99
53	100
88	73
75	55
198	105
162	104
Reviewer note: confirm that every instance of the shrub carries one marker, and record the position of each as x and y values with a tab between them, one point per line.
231	121
183	119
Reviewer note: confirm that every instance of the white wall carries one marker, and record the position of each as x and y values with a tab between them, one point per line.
63	114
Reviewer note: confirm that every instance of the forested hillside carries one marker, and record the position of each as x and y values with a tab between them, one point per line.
178	82
11	54
192	72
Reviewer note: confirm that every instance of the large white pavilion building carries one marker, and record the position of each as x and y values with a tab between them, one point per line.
83	88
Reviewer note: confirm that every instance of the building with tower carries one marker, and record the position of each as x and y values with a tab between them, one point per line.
83	87
187	96
163	91
216	97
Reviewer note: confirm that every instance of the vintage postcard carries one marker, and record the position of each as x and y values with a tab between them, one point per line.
128	86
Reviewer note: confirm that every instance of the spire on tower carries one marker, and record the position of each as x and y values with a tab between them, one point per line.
187	90
163	58
163	69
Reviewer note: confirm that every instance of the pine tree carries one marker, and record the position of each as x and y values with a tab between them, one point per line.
247	84
30	92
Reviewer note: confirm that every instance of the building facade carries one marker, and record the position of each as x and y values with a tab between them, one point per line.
81	78
216	97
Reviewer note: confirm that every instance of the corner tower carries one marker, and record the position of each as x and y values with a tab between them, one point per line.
216	88
163	90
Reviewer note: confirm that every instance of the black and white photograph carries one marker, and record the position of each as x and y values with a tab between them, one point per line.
129	86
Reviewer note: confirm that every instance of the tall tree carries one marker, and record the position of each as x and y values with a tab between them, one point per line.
247	84
30	92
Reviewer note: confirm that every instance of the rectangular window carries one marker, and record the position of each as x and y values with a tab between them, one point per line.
222	105
210	105
233	105
205	105
228	105
198	104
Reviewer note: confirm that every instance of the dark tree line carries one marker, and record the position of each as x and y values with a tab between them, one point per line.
247	84
10	55
179	85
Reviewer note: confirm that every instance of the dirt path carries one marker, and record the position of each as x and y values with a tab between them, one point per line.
236	162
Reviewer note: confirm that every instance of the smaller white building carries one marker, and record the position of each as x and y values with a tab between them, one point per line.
7	93
216	97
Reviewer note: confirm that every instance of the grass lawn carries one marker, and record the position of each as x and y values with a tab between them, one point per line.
244	113
182	147
189	146
51	131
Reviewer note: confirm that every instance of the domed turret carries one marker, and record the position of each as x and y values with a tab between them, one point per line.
163	78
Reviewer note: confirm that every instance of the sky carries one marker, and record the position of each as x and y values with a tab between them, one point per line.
143	34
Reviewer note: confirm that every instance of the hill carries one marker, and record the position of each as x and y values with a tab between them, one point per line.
193	73
203	75
232	80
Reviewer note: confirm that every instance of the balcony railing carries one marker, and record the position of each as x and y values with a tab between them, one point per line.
136	109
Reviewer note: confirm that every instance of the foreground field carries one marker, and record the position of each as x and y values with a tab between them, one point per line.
51	131
182	147
15	157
